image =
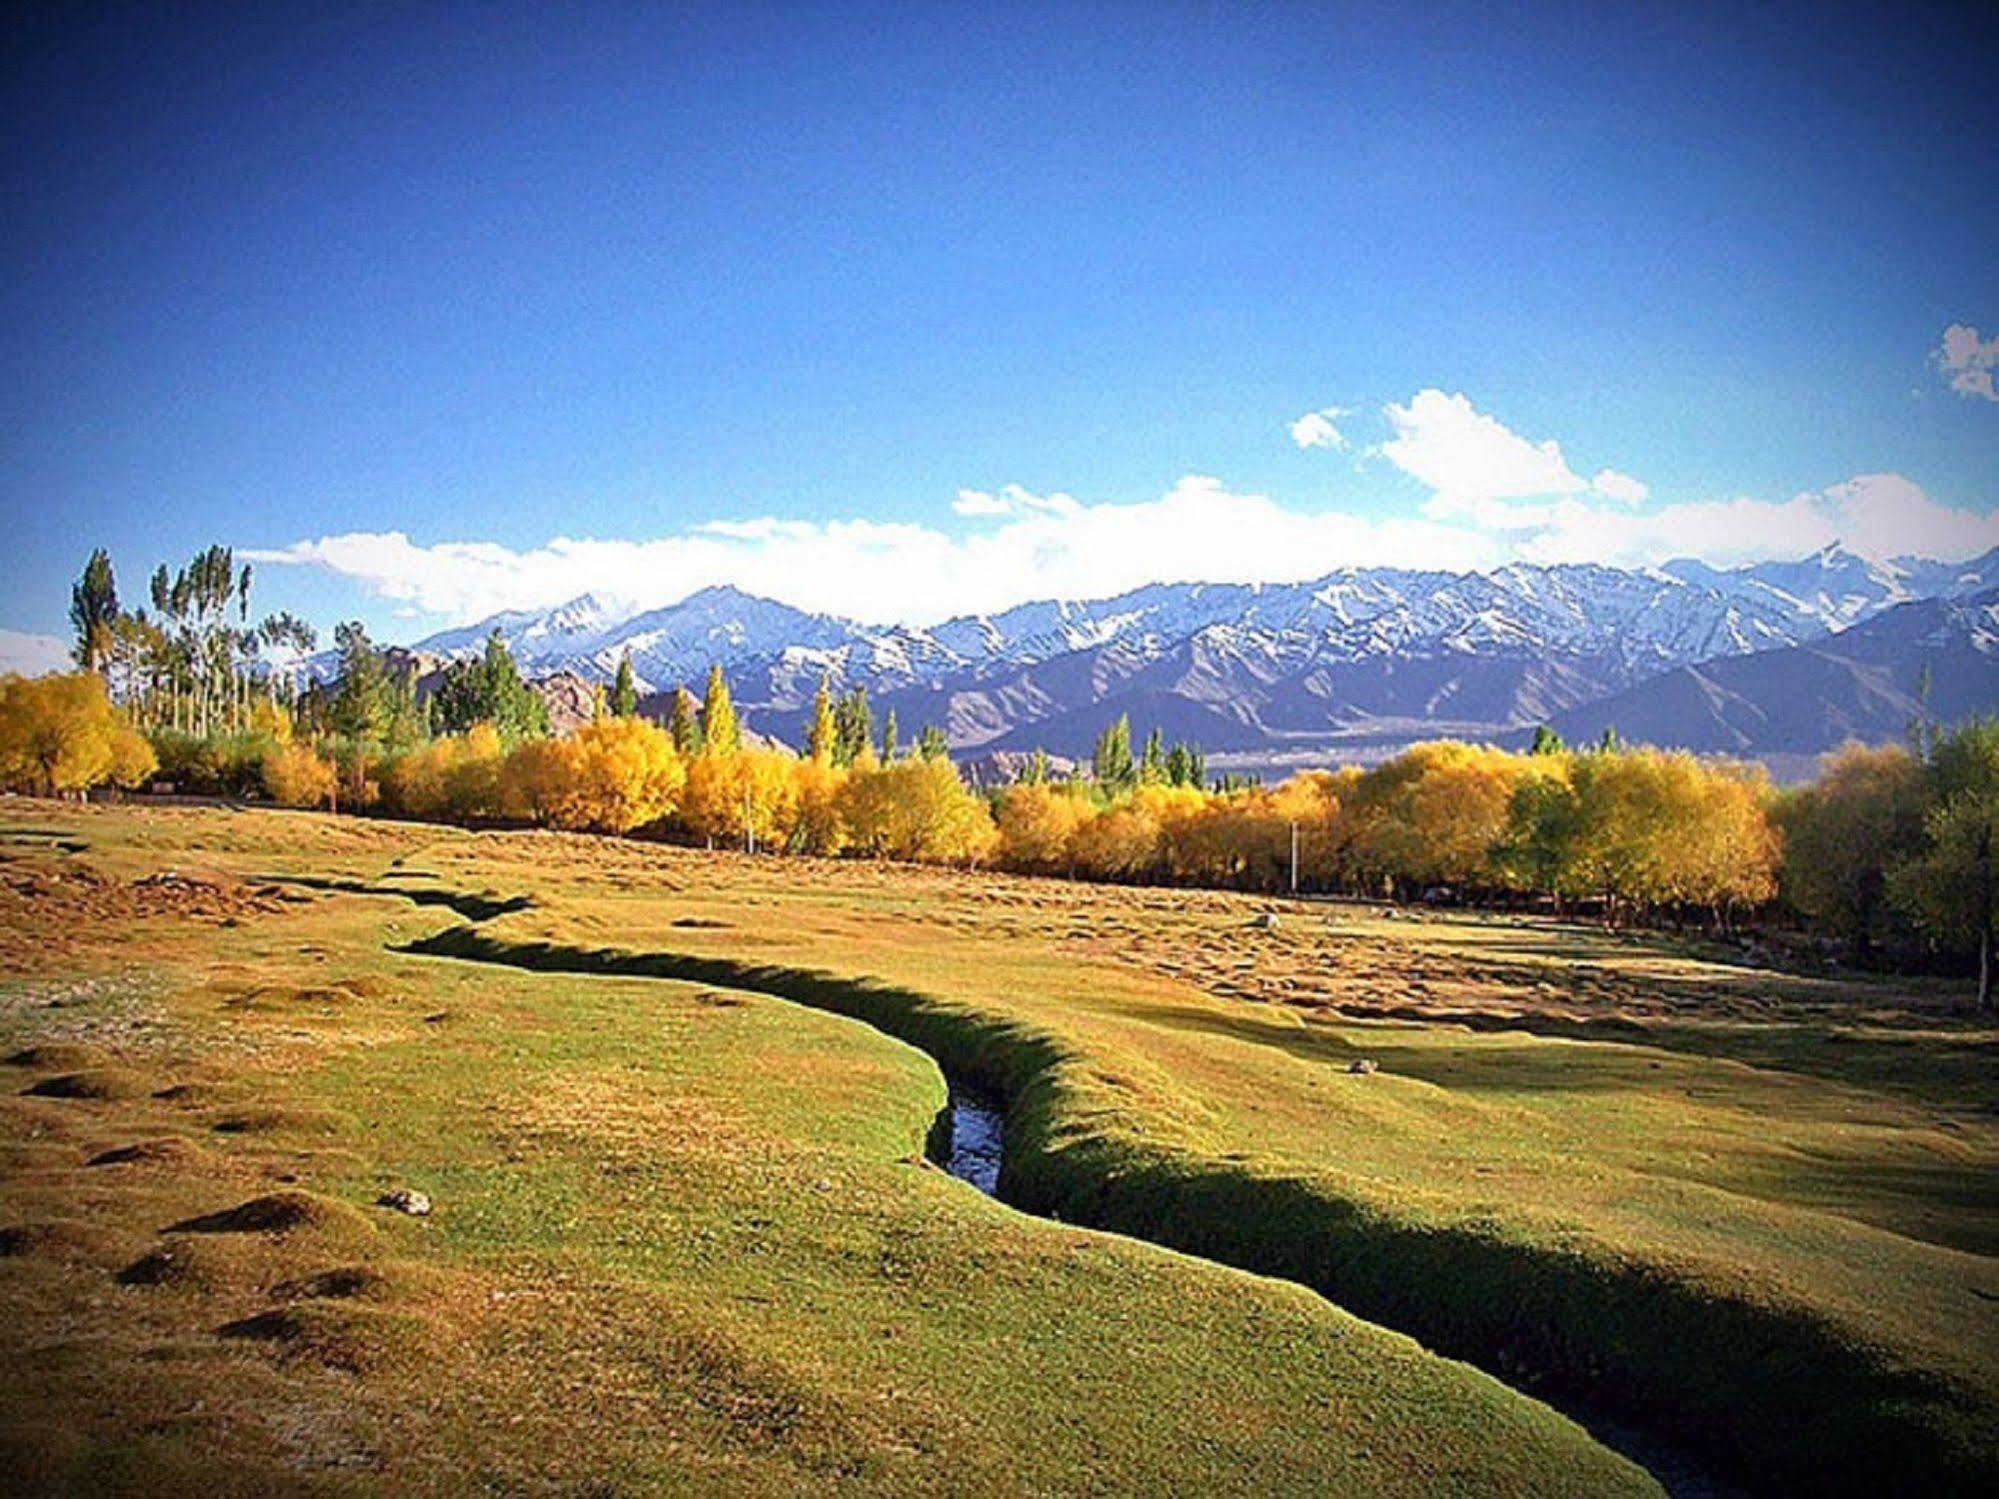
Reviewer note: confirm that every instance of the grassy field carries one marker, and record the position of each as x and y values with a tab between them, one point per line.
684	1236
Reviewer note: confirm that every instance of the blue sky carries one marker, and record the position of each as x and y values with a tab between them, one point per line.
487	278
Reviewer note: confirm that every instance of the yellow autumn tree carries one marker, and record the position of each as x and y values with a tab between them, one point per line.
60	734
1846	831
817	827
296	776
534	779
1122	842
616	774
1038	823
916	809
745	798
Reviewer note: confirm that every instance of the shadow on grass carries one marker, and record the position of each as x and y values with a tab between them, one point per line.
471	907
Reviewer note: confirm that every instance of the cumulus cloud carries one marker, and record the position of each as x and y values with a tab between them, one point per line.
1448	445
1315	429
1496	496
1967	361
23	654
1012	499
1026	546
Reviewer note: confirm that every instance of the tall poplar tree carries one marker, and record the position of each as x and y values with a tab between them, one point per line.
720	733
93	611
624	689
822	737
684	724
1111	765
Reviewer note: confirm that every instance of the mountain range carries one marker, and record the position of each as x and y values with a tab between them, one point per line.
1775	657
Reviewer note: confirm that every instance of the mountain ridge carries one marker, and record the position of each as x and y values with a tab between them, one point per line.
1353	654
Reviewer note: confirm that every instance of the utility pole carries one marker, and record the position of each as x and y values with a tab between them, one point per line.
1294	858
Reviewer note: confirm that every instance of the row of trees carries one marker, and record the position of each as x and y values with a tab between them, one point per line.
1891	847
1888	848
194	663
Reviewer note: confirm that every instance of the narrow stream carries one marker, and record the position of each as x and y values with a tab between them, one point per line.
970	1142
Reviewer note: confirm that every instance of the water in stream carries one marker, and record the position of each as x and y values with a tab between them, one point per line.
978	1126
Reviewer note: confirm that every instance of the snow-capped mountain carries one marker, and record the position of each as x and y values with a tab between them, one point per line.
1357	652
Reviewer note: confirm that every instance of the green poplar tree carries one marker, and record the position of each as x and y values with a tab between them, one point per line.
624	689
684	724
93	611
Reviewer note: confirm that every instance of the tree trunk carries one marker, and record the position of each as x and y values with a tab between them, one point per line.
1985	966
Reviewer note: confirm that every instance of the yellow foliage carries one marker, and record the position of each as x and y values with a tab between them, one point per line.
534	778
1038	824
817	828
269	720
455	775
916	809
294	776
1121	842
60	733
617	774
747	791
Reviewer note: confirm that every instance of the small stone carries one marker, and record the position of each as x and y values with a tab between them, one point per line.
403	1200
1264	921
1363	1067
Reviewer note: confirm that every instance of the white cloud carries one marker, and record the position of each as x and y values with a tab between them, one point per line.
1031	546
1496	496
978	502
1315	429
1877	515
1444	442
1968	361
29	655
1620	487
1012	499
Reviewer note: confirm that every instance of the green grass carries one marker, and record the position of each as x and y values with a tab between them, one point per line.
1758	1211
684	1239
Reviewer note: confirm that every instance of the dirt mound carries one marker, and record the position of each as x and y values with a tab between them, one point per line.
278	1119
200	1095
48	909
279	1215
95	1082
340	1334
64	1239
199	1264
171	1151
290	996
57	1056
342	1283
